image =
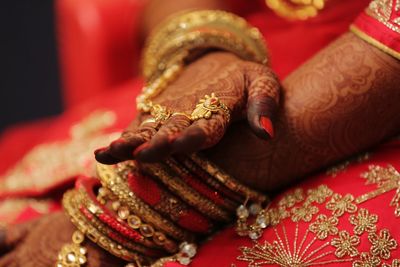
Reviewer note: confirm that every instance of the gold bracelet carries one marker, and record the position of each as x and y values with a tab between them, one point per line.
95	235
173	41
112	181
81	201
134	222
184	191
182	171
228	180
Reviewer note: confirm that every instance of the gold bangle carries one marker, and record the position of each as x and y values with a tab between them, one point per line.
95	235
188	194
172	41
228	180
147	240
116	184
81	201
182	171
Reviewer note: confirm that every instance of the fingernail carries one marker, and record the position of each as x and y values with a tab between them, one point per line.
100	150
119	141
140	149
173	137
266	124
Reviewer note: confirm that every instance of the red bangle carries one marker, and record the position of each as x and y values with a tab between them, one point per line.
163	201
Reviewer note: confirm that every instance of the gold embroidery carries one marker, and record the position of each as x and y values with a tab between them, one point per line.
289	200
51	163
303	213
345	244
287	250
341	167
395	263
324	226
385	12
282	253
319	194
367	260
382	244
387	179
364	222
379	175
339	205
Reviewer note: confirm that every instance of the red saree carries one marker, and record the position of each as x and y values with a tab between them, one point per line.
317	222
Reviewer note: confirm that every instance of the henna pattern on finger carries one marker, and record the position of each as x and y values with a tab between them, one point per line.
342	101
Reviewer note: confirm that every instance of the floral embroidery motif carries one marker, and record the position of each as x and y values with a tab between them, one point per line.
282	253
290	200
395	263
385	12
311	245
382	244
339	205
345	244
387	179
364	222
304	213
367	260
319	194
380	175
276	215
324	226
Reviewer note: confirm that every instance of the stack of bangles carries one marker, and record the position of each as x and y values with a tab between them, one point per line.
148	214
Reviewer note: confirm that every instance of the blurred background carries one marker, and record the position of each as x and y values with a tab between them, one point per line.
29	79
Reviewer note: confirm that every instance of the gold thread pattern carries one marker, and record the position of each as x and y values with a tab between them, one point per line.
364	222
382	244
340	204
324	226
345	244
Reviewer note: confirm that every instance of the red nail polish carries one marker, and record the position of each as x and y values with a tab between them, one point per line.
266	123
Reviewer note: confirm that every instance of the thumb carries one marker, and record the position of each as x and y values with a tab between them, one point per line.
263	99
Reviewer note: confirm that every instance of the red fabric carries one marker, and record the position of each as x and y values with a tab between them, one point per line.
349	181
89	69
369	24
99	45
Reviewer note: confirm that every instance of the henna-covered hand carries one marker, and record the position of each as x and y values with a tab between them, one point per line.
37	243
248	90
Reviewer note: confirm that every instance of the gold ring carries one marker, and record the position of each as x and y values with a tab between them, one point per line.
149	120
181	114
207	106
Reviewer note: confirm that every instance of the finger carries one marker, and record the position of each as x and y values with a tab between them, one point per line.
9	259
159	147
122	148
13	235
263	99
202	134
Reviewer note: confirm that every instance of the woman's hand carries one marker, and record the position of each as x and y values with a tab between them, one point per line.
37	243
247	89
